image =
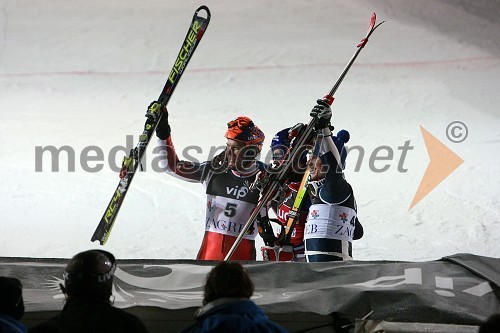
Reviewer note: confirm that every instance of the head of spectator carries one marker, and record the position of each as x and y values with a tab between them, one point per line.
11	297
228	280
88	285
89	274
227	306
11	305
492	325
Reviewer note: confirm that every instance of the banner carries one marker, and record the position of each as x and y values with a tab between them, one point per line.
462	289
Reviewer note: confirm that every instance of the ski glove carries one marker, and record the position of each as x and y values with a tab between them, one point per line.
265	230
323	113
163	128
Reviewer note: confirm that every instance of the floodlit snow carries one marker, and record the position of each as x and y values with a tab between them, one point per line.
81	74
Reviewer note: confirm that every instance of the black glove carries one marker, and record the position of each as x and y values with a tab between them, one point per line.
323	113
163	128
358	230
266	230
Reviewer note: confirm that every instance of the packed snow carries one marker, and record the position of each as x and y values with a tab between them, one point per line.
81	74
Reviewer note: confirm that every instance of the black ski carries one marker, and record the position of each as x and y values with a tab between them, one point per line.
277	177
154	114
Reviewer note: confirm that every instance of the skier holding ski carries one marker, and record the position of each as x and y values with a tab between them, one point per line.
332	222
320	244
282	248
227	179
285	247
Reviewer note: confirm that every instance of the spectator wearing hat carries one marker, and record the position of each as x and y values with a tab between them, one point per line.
88	281
11	305
491	325
226	178
227	306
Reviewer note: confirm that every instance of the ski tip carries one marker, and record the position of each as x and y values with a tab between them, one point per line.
203	8
373	20
371	29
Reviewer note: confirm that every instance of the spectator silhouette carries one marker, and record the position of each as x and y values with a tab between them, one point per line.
492	325
88	281
227	306
11	305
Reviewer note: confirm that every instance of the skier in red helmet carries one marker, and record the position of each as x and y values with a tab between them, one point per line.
226	178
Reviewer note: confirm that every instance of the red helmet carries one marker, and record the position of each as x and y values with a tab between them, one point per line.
242	129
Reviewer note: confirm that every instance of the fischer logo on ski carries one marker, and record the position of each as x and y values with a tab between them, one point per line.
185	53
154	113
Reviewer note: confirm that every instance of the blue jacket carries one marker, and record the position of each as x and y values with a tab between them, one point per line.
232	315
10	325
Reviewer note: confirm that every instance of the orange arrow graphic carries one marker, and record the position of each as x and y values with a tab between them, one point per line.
442	163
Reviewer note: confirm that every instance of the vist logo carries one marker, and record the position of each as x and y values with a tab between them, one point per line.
238	192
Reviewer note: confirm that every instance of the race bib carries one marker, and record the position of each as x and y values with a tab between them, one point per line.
228	217
330	221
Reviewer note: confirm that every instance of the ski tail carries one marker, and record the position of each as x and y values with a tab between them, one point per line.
193	37
154	113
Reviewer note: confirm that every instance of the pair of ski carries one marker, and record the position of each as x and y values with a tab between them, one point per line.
154	113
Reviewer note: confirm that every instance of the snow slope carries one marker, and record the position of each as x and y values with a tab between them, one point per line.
81	74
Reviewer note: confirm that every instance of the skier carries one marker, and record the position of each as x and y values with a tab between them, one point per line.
275	249
332	220
227	179
88	284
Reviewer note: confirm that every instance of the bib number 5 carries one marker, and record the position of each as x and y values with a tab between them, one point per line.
230	210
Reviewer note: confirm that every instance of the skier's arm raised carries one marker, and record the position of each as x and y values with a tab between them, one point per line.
335	188
170	162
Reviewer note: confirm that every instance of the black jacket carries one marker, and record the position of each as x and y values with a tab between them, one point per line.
95	316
